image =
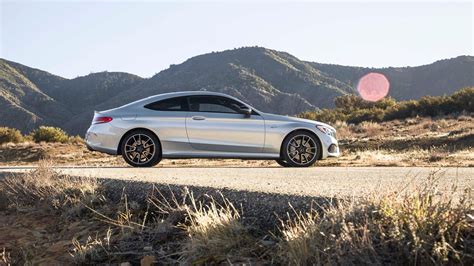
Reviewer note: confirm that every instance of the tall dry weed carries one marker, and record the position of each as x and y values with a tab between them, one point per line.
216	233
45	185
421	225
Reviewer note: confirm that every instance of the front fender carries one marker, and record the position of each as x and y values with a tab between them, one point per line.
276	133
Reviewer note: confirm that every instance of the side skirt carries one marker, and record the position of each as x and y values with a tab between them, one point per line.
214	156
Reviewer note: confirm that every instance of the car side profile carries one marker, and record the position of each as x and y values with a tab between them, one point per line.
202	124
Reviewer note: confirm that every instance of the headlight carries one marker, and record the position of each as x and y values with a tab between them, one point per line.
326	130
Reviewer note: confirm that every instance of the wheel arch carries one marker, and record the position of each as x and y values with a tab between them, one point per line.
119	148
303	130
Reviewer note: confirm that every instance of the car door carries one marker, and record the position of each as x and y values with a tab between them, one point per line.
167	117
216	123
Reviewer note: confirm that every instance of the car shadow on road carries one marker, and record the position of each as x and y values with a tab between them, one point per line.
220	167
31	167
261	209
256	208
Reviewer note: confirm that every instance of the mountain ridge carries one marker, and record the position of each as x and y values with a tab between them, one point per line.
270	80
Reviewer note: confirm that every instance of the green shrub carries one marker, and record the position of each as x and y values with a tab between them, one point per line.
49	134
373	114
403	110
10	135
351	102
464	99
353	109
76	139
327	115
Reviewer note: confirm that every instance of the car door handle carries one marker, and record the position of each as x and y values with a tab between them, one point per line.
198	118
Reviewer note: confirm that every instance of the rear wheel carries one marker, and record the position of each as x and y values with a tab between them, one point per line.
301	149
140	148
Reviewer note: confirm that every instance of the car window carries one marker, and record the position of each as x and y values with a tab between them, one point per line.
171	104
214	104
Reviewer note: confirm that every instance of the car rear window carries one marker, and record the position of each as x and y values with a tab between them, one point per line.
214	104
171	104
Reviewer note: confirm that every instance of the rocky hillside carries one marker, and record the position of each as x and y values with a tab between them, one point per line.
270	80
23	104
442	77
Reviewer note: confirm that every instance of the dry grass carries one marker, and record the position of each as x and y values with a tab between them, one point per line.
369	129
44	185
413	226
216	234
344	131
412	127
418	223
71	153
92	250
5	257
416	157
439	141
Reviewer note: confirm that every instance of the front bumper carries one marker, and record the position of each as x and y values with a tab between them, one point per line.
333	150
330	146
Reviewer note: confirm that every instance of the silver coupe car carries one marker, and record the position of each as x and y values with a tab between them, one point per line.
202	124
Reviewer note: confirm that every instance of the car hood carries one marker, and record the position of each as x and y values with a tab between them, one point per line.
284	118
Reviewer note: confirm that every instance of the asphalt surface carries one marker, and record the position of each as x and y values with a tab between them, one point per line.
314	181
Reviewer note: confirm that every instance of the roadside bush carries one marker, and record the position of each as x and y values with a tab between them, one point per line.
49	134
354	102
403	110
464	99
10	135
76	140
353	109
373	114
325	115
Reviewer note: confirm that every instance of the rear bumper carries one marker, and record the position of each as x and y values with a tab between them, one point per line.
101	142
89	147
101	149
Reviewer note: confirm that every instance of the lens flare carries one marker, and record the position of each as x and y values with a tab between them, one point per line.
373	87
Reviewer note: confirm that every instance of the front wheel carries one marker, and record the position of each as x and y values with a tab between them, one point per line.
141	148
301	149
282	163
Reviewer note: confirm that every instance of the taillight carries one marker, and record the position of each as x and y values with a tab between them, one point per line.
101	119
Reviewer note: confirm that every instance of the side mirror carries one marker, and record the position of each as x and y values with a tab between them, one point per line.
247	111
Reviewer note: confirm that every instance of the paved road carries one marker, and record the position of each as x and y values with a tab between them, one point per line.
315	181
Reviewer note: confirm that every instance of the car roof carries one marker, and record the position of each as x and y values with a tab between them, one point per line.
187	93
163	96
182	93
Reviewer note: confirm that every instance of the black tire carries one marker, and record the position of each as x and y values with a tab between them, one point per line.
141	148
282	163
297	155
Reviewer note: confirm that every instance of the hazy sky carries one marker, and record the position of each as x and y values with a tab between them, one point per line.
75	38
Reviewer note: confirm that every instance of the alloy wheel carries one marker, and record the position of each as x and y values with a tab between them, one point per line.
301	149
140	148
